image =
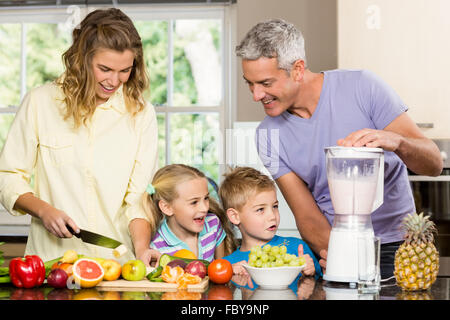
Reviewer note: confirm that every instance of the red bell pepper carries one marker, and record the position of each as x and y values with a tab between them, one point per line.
28	272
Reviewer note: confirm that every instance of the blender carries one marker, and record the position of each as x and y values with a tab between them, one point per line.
356	182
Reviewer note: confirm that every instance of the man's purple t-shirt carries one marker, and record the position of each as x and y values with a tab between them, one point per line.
350	100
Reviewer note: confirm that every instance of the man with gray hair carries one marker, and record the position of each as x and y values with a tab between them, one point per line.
312	111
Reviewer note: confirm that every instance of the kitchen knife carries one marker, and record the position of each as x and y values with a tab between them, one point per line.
95	238
99	240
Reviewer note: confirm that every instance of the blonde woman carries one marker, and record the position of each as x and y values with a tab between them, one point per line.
183	216
91	141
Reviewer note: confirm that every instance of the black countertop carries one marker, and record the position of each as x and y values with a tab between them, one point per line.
308	289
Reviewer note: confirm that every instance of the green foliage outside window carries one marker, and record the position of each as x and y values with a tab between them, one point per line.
46	42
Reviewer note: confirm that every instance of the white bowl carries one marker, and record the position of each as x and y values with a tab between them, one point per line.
273	278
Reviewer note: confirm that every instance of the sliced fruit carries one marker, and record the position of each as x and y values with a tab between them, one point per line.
171	275
184	253
120	251
87	272
186	279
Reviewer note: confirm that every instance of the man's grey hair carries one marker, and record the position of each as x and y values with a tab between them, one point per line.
275	38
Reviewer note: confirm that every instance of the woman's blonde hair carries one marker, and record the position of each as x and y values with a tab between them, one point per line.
101	29
165	182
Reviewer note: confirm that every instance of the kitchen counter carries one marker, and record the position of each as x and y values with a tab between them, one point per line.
308	289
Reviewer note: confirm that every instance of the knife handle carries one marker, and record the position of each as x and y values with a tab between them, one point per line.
73	232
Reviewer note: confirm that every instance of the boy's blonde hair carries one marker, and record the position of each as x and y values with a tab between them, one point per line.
240	184
165	182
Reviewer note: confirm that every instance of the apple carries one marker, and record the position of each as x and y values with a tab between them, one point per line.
134	270
112	269
196	268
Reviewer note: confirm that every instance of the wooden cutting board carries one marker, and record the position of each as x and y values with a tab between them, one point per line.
146	285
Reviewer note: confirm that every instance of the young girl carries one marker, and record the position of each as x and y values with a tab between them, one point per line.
183	216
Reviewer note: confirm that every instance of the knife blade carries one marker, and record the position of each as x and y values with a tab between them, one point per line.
95	238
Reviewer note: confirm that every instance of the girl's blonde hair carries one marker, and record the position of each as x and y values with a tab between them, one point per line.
101	29
165	182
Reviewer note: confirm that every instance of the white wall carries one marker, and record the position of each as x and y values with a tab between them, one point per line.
241	151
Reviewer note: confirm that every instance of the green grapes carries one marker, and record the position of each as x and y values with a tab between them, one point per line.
273	256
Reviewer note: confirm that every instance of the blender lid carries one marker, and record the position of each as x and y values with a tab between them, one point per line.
354	152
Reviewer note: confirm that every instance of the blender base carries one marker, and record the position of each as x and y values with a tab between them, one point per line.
339	279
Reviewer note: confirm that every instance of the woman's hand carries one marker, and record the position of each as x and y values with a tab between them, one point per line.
309	269
56	221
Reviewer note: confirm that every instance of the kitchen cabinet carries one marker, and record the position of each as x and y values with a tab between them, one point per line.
405	42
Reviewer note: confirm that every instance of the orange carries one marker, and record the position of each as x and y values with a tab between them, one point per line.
171	275
67	267
87	272
184	253
186	279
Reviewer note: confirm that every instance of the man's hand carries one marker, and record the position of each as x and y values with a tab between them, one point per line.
323	261
402	136
372	138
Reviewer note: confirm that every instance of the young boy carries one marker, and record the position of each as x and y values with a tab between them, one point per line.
250	201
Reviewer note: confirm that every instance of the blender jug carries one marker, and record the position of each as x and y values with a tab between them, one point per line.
356	182
355	179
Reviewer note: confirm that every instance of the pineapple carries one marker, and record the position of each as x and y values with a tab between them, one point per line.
417	260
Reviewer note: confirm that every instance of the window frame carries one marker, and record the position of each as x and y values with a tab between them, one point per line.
226	13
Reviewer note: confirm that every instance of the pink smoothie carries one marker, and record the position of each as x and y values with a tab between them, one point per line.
352	197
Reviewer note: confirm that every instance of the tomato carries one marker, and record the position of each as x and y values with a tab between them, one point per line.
220	271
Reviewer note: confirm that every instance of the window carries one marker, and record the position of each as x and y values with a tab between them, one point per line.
186	54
